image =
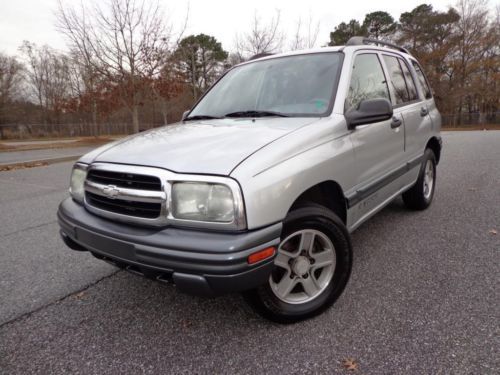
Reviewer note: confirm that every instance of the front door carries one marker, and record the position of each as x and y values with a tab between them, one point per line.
378	147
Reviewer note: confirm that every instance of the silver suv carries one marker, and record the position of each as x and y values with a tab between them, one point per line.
259	186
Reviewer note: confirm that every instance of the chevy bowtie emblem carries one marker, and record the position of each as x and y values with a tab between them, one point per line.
110	191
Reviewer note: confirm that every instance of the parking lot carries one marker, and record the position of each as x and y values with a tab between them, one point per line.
422	298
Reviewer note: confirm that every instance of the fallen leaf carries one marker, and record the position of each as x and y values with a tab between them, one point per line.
350	364
80	295
22	166
493	232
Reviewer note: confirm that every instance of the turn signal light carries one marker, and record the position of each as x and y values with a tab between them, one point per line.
261	255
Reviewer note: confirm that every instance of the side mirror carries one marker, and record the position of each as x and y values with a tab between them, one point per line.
185	114
369	111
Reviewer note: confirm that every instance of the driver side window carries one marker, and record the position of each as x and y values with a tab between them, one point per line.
367	81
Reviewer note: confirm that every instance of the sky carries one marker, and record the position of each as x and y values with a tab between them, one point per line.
34	20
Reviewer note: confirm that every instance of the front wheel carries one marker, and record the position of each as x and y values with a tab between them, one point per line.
312	267
419	197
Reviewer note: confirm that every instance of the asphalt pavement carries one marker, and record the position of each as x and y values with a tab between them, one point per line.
12	157
422	298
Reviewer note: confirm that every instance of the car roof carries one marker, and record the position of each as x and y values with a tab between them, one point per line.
346	48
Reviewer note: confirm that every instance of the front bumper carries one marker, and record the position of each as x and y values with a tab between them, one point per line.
201	263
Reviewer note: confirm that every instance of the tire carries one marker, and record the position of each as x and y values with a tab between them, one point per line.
319	274
419	197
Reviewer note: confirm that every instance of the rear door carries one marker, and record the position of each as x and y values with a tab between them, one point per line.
418	137
409	104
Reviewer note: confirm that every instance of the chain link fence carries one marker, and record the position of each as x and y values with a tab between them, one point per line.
27	131
470	120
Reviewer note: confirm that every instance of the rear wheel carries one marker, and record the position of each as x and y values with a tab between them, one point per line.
419	197
312	267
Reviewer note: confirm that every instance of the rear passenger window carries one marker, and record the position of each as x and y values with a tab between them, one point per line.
397	79
421	79
410	84
367	81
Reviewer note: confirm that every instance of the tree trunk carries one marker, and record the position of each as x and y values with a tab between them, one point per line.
135	118
193	77
94	119
164	111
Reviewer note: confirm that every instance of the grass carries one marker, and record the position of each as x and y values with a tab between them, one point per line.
54	144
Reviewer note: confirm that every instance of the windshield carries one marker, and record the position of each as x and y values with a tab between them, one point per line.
299	85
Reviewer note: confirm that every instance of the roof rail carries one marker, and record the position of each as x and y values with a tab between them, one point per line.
361	40
259	55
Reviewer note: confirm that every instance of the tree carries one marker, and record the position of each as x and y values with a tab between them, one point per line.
128	42
345	31
431	37
11	72
200	58
379	25
305	37
262	37
47	72
167	86
477	43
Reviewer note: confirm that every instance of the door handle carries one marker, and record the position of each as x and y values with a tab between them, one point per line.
423	111
395	123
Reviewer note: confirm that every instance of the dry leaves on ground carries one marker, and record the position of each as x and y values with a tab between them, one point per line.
350	364
21	166
80	295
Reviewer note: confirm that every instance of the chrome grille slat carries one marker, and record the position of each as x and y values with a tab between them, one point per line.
139	209
128	194
126	180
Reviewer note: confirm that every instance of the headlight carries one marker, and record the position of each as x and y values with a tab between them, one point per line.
78	176
197	201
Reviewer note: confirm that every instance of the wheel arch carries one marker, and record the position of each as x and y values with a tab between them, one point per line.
435	145
328	194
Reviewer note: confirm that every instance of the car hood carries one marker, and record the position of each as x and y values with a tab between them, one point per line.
207	147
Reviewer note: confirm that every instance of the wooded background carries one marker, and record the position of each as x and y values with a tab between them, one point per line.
129	69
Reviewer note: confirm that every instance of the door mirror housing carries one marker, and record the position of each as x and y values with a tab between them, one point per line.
185	114
369	111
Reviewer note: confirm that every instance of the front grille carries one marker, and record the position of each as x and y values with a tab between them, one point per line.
124	207
139	195
126	180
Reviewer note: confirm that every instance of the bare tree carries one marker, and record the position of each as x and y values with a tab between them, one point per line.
84	86
10	85
47	75
475	39
10	78
262	37
305	36
128	42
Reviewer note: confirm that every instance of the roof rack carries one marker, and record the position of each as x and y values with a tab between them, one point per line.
259	55
361	40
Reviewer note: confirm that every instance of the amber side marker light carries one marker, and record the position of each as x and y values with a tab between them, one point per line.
261	255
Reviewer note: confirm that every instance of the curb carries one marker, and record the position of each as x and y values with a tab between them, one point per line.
38	162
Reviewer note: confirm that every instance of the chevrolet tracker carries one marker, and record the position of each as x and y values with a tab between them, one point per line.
257	189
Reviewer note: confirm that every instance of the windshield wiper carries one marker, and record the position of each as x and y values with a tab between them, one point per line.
255	113
201	117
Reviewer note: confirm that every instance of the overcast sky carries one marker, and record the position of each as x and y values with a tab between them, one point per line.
34	20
